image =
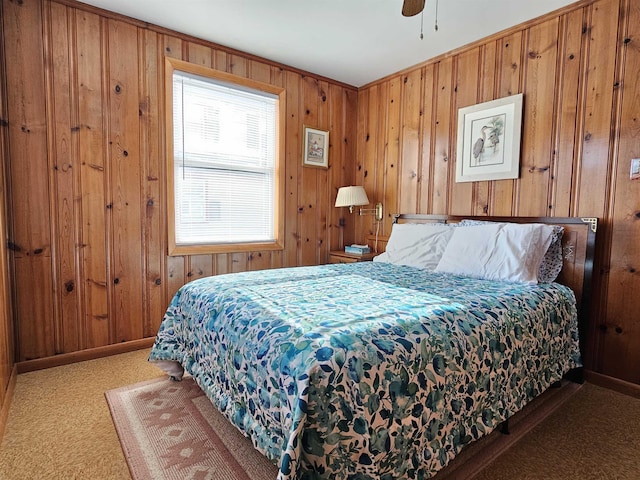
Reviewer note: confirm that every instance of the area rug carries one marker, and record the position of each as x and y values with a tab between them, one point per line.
170	431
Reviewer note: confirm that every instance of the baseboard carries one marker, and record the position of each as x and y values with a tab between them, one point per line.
622	386
82	355
6	402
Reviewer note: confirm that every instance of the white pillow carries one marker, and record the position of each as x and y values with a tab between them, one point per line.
552	260
499	251
418	245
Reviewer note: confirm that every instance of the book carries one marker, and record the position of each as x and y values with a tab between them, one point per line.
357	249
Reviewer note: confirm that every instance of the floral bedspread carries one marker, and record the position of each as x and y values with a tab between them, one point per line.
368	370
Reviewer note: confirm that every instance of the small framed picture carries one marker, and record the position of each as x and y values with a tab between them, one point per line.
635	169
316	148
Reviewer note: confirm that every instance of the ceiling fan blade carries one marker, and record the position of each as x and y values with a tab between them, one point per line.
412	7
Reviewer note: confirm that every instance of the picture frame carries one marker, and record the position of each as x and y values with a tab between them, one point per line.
488	145
315	148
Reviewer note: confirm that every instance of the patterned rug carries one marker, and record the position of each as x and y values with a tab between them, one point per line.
170	431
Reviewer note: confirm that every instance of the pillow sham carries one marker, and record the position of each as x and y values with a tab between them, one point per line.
497	251
419	245
551	262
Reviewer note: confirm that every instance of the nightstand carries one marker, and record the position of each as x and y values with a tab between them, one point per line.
339	256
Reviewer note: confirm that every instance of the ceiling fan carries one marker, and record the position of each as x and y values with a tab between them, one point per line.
412	7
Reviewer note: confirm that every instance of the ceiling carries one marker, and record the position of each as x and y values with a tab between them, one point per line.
352	41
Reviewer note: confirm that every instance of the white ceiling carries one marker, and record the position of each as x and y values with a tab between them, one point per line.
352	41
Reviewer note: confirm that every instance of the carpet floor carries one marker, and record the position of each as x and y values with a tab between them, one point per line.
60	427
170	431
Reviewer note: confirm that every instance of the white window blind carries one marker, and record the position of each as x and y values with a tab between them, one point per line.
224	139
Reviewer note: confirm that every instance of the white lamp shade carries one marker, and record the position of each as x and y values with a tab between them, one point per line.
351	196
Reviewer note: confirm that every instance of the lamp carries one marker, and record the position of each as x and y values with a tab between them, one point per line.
355	196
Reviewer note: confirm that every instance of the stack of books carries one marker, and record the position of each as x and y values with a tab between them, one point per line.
357	249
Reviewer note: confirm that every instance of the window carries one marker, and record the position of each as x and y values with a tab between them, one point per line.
223	148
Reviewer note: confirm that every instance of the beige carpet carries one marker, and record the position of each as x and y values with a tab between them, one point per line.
60	427
171	431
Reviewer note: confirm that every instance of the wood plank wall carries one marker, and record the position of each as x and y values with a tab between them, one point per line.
578	71
7	337
88	220
87	171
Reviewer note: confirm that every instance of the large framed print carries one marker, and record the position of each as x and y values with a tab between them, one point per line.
489	140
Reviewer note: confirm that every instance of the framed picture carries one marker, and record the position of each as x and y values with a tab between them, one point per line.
316	148
489	140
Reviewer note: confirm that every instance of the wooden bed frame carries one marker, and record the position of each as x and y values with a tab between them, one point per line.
578	249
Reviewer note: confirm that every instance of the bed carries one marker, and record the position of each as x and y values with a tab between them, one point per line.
380	370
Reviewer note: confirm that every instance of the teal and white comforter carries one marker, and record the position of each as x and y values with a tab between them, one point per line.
368	370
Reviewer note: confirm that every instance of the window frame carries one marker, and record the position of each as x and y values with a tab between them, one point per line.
171	65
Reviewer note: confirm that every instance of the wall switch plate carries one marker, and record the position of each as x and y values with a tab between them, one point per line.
635	169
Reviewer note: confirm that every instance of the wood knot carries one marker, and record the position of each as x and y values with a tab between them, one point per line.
118	88
68	286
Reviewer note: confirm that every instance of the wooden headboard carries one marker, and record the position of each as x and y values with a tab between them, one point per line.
578	249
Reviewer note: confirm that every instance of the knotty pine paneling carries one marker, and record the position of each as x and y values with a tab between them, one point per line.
619	335
7	337
30	179
578	73
86	160
92	164
87	221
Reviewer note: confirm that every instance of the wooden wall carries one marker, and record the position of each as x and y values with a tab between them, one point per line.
578	71
87	171
86	162
7	338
